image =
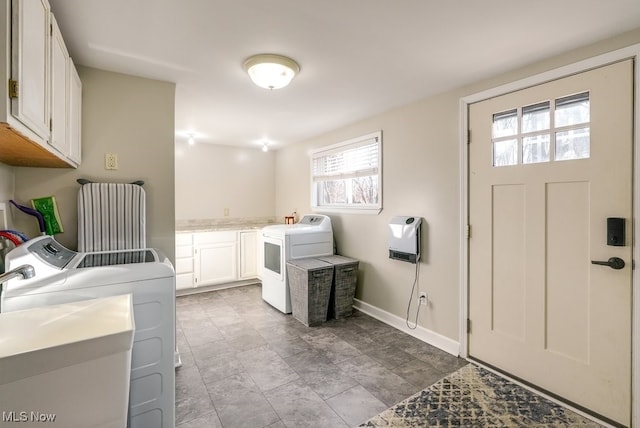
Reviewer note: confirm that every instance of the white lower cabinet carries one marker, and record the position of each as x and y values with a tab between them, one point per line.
211	258
215	263
260	256
184	260
248	254
215	257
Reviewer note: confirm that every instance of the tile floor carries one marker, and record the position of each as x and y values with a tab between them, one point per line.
246	364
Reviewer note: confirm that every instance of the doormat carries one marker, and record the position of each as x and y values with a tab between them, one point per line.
475	397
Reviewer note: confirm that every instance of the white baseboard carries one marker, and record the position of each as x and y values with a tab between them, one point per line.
432	338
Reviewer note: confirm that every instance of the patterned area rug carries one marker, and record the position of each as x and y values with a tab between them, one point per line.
475	397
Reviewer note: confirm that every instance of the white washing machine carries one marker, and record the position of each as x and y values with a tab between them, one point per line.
63	276
311	237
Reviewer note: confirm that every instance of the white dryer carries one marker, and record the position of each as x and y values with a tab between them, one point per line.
63	276
311	237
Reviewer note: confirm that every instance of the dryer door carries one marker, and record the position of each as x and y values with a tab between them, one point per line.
274	258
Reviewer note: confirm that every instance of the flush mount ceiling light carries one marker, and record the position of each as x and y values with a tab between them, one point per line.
271	71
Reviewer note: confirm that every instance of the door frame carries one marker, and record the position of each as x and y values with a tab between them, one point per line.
630	52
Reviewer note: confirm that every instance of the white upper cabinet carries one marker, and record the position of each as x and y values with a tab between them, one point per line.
30	64
59	90
74	110
40	105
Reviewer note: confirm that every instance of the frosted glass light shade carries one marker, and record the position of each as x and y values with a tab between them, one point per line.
271	71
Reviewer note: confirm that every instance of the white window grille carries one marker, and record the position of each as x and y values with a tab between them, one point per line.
347	177
548	131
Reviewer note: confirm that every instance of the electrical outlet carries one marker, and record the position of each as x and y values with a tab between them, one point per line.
110	161
422	296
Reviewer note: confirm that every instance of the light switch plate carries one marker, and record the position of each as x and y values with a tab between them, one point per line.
110	161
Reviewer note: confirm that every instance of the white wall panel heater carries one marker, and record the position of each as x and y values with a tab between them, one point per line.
404	238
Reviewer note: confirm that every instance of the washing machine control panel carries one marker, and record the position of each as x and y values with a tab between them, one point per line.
52	253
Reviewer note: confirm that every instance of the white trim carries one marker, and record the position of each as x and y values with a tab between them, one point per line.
431	337
465	230
630	52
347	210
337	148
635	326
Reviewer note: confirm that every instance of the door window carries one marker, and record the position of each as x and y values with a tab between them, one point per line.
542	132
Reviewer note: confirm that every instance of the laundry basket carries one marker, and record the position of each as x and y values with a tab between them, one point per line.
343	288
310	288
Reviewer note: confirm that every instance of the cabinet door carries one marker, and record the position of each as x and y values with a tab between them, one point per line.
248	254
184	261
260	255
74	110
30	64
184	265
59	90
215	263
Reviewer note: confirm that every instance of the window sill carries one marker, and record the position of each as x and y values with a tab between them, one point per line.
347	210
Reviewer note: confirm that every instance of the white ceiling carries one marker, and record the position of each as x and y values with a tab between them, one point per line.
357	57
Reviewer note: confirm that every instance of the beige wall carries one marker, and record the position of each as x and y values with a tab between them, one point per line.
6	187
421	177
210	178
6	182
132	117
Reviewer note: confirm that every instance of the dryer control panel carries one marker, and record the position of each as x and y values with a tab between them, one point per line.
312	219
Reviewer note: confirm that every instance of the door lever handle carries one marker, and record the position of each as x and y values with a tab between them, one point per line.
614	263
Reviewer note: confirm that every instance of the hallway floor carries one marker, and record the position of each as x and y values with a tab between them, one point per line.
245	364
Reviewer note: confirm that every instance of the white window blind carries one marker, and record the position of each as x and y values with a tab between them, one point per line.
348	175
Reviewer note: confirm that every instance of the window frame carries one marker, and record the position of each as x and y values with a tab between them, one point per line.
340	147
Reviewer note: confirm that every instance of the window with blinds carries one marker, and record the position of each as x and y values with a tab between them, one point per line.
348	176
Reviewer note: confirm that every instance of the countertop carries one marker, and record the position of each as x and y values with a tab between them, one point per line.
215	225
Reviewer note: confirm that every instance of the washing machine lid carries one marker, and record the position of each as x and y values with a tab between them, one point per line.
117	258
58	269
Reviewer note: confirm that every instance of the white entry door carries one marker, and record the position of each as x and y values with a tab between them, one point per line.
548	165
